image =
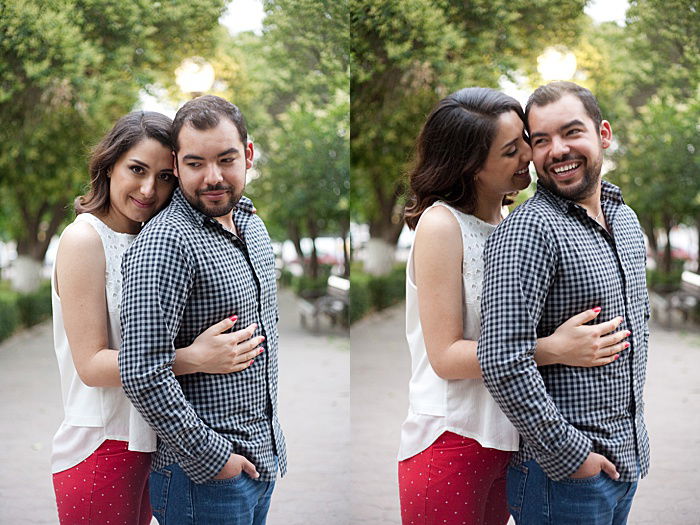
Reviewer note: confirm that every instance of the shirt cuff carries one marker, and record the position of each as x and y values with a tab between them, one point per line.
569	456
209	461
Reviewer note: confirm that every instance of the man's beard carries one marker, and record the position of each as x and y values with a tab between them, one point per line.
583	188
213	210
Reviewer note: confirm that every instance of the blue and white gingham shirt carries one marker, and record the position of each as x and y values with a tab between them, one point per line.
184	273
545	263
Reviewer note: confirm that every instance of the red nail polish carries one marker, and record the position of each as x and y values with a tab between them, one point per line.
616	357
261	351
234	318
627	345
597	309
629	333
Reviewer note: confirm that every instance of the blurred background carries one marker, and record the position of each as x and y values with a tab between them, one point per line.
70	68
640	58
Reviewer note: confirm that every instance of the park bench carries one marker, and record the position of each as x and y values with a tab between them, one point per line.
333	305
686	299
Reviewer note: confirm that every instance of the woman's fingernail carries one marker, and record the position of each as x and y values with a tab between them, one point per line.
262	338
616	356
260	351
251	361
627	345
234	318
628	333
597	309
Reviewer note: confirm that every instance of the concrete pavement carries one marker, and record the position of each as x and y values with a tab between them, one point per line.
314	412
380	370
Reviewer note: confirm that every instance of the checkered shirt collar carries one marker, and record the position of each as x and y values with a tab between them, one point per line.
245	206
609	192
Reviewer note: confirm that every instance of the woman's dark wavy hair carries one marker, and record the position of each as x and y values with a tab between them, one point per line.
126	133
452	147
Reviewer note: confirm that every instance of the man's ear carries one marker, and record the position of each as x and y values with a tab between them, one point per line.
605	134
175	172
249	154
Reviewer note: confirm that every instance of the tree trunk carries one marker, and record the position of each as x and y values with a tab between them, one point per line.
313	260
32	246
26	274
666	262
346	254
380	256
697	235
648	224
295	237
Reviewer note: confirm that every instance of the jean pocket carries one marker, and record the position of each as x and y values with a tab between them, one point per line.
583	481
226	481
158	486
515	488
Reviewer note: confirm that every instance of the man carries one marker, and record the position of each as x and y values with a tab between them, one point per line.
203	258
574	245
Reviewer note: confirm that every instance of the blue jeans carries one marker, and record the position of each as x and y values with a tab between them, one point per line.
534	499
240	500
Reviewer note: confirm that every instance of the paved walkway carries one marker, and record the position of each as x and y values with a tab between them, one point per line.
314	412
380	369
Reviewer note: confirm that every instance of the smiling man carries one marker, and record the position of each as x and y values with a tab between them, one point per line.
205	257
573	246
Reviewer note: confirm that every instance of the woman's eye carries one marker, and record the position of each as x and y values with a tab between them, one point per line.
512	153
166	176
137	169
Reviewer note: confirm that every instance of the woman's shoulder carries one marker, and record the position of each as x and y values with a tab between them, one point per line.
80	235
80	250
438	222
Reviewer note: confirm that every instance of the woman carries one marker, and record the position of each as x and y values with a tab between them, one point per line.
455	443
101	452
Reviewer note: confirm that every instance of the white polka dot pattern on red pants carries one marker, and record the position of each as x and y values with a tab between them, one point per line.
110	486
432	484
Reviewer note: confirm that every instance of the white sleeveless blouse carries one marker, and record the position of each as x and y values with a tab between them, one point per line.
94	414
462	406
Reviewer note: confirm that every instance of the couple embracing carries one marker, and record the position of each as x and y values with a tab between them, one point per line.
528	335
190	294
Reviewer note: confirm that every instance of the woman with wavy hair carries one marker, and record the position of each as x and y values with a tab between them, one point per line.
101	452
472	154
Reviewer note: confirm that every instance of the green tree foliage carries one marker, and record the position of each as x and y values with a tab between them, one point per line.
302	112
646	77
68	70
407	55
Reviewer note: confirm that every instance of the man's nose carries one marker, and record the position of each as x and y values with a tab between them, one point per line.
559	148
213	175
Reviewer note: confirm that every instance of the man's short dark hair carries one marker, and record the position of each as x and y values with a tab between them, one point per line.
553	91
204	113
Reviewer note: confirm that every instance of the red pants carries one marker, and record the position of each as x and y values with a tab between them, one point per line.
454	481
109	486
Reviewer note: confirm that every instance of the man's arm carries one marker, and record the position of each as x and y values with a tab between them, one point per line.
519	269
157	280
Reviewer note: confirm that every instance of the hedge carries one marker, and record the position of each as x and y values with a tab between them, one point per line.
374	293
23	310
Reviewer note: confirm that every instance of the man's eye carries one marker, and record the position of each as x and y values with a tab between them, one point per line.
194	164
228	160
574	131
